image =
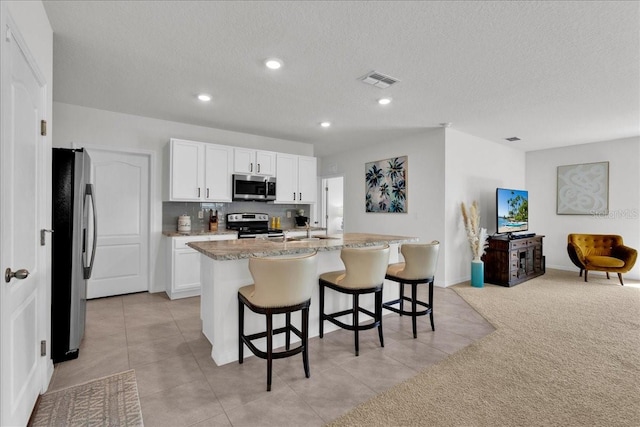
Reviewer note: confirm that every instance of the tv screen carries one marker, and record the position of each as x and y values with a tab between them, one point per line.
512	210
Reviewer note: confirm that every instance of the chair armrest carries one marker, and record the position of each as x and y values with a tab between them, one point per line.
625	253
576	256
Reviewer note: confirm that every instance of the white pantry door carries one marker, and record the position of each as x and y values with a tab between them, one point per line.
121	183
23	196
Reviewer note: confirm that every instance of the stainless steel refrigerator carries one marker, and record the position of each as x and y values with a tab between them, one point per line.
73	249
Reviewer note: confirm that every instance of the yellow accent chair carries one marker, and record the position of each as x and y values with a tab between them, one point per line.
601	252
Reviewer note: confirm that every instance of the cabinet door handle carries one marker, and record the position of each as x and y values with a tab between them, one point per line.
294	195
258	167
250	167
300	198
198	191
207	192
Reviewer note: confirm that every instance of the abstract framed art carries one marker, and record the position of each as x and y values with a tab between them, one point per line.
386	185
583	189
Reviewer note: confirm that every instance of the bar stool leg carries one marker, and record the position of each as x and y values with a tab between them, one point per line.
241	331
321	298
433	328
287	334
355	320
401	298
414	298
305	341
269	349
378	302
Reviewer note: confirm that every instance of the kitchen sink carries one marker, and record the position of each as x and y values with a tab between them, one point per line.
308	239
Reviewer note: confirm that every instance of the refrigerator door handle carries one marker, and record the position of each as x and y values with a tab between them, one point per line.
87	269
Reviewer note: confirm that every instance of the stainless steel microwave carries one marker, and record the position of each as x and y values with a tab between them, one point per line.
254	187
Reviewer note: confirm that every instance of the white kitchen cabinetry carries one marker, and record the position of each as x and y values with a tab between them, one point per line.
199	171
296	179
253	162
183	265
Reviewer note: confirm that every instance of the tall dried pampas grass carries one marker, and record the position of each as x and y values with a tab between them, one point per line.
476	235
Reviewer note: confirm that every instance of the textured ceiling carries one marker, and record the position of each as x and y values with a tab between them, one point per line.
552	73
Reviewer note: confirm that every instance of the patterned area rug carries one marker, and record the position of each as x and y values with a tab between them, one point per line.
108	401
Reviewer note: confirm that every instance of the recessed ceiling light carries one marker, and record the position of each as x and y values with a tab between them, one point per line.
204	97
273	63
384	101
325	124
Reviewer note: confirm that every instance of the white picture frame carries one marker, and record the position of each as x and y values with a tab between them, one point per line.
583	189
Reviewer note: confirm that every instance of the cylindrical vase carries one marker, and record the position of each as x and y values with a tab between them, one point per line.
477	273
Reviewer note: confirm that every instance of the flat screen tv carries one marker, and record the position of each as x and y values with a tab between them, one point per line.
512	210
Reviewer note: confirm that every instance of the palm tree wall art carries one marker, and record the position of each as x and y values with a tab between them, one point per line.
386	185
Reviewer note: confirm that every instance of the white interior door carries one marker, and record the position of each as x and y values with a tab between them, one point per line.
332	205
22	200
121	183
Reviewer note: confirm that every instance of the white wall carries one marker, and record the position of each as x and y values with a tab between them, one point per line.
425	187
623	156
91	127
474	169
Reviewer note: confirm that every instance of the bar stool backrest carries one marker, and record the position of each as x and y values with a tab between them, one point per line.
364	267
283	281
420	259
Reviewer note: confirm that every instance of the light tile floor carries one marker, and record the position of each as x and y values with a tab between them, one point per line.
180	385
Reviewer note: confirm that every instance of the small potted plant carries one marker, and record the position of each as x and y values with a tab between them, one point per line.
477	237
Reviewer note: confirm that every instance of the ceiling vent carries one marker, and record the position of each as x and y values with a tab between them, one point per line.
513	138
378	79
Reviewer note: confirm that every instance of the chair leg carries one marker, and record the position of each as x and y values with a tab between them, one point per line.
414	308
580	272
287	334
608	275
305	341
240	331
355	319
321	298
585	275
378	311
433	328
401	298
620	277
269	349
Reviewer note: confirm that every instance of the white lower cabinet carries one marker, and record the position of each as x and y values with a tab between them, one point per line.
183	264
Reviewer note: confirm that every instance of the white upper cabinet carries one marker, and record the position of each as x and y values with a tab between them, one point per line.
186	170
217	173
307	179
296	179
198	171
253	162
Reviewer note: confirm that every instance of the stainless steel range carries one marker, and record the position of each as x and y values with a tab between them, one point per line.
251	225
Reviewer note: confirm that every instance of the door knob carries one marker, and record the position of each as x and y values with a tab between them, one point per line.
20	274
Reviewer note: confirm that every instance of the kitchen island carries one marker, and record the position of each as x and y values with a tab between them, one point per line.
225	269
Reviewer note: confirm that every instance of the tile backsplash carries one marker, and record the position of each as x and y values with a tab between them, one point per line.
172	210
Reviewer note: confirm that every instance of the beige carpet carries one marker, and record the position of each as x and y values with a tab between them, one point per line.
109	401
564	353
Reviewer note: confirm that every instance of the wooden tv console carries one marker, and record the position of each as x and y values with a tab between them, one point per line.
508	262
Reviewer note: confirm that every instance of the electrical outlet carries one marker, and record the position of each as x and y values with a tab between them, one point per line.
200	214
288	214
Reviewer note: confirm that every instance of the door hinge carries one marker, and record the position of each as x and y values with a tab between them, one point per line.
43	348
43	127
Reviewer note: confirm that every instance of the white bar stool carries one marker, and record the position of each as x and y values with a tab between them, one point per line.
419	267
364	274
281	285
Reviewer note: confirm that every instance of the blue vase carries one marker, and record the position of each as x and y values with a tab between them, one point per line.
477	274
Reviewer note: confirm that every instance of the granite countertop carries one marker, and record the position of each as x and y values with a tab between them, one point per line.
245	248
198	233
